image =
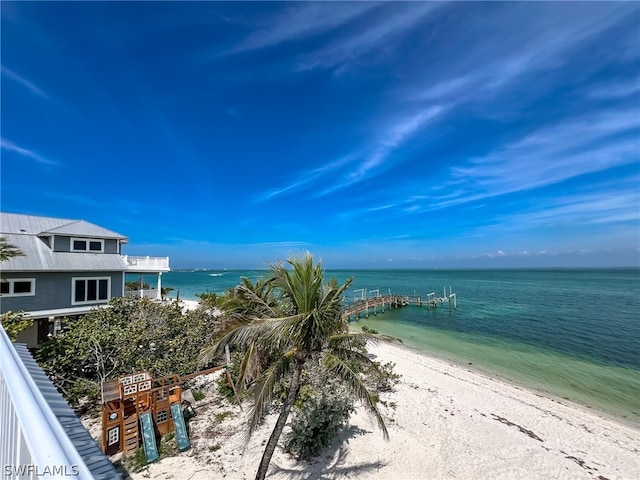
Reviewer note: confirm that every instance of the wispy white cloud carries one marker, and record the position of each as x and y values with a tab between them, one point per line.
617	89
399	134
307	178
301	21
601	212
24	82
372	160
12	147
366	161
382	32
514	50
547	156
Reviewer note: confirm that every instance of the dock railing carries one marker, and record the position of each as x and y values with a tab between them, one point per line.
366	302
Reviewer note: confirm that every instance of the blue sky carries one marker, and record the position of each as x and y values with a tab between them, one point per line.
371	134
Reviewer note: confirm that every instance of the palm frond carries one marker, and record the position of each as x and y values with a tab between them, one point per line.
349	355
265	386
357	339
340	369
248	361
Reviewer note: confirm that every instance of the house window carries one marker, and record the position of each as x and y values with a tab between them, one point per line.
17	287
162	417
87	245
90	290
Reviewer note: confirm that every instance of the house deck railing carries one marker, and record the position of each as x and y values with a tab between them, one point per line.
33	444
152	293
146	264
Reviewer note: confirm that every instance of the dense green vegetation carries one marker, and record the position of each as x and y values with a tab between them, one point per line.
131	335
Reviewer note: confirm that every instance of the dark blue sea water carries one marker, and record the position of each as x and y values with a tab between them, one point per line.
570	333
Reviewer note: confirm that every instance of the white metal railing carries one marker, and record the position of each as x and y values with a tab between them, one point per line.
33	444
152	293
142	264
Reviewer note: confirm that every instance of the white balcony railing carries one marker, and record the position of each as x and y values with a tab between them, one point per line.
146	264
33	444
151	293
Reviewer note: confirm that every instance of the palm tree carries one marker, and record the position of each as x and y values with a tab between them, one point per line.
8	250
304	325
165	291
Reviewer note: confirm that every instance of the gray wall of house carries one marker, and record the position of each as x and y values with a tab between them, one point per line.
63	244
53	290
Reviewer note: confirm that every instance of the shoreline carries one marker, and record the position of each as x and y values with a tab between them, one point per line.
444	421
584	381
480	370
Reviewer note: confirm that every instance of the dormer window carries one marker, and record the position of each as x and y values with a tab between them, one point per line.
94	245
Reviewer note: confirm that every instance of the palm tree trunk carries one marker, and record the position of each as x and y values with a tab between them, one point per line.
282	420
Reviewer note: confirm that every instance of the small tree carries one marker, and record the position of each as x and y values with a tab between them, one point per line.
165	291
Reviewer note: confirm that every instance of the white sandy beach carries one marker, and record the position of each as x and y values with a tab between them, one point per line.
448	422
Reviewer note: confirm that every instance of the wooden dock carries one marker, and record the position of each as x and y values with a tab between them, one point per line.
376	303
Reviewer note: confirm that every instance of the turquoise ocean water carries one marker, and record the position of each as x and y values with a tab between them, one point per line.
573	334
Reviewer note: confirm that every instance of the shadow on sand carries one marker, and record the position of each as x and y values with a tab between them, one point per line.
330	464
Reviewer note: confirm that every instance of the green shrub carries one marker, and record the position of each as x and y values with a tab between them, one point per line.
208	299
317	422
14	323
221	416
386	378
366	329
197	395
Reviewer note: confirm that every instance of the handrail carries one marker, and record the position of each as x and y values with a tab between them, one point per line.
134	262
51	453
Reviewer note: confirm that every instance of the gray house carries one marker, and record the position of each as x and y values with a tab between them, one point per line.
69	267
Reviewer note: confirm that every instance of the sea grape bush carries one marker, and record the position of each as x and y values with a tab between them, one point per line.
131	335
13	323
317	421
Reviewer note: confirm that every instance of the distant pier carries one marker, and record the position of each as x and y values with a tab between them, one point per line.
372	302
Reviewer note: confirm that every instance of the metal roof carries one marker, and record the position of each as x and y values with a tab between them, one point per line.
38	257
97	462
29	233
20	224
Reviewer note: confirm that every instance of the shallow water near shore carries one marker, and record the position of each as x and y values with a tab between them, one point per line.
610	389
570	333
